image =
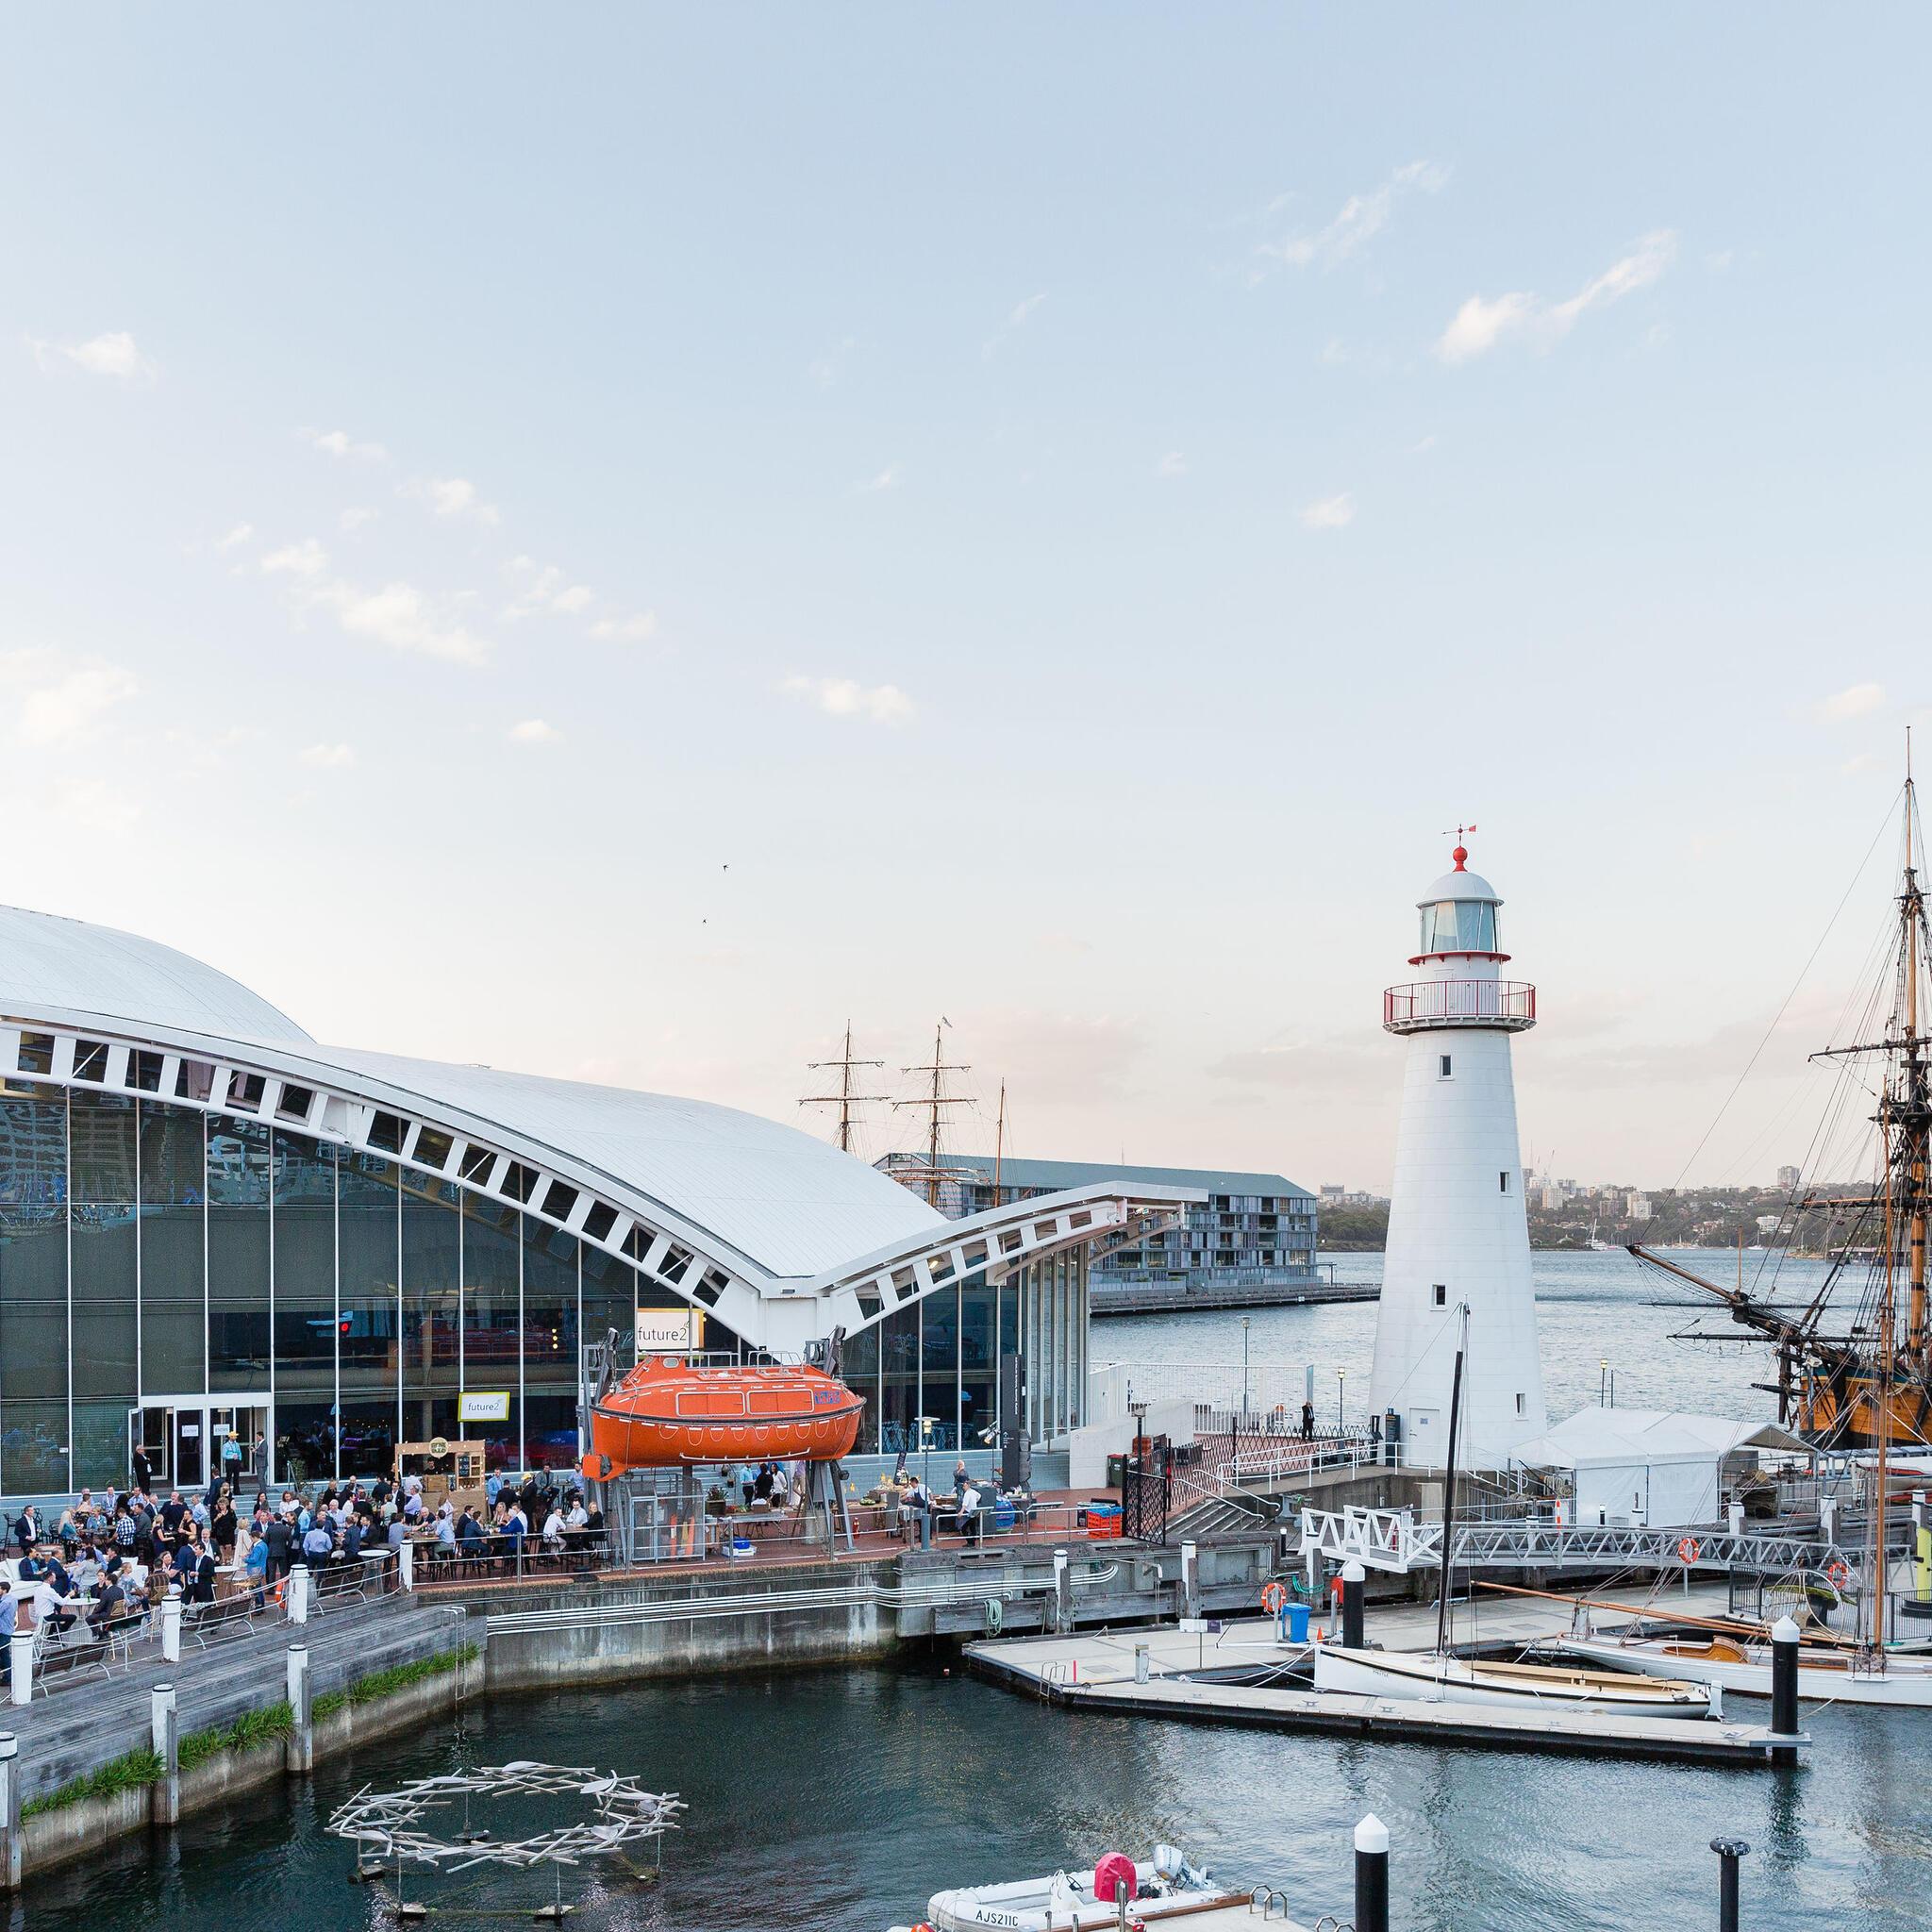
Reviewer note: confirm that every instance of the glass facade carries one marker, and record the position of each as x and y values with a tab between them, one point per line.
211	1274
941	1358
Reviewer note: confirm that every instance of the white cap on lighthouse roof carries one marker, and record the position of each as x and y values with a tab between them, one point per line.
1460	883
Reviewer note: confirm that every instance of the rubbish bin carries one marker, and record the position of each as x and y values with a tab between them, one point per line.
1297	1623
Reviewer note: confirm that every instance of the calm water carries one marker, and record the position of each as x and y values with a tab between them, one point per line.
842	1799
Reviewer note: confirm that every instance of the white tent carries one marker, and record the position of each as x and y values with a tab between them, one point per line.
1653	1468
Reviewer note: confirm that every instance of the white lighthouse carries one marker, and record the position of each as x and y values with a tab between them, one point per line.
1457	1229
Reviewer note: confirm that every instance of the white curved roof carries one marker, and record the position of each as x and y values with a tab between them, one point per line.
1460	885
69	966
789	1204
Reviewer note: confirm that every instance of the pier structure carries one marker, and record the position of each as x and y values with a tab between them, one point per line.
1458	1234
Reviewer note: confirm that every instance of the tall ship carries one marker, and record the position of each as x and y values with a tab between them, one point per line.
1854	1360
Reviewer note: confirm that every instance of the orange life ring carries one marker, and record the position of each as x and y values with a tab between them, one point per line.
1687	1549
1840	1572
1273	1597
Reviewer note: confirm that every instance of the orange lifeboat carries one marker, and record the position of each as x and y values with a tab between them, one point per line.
667	1413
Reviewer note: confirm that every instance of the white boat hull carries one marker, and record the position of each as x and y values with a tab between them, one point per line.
1905	1681
1431	1679
1065	1902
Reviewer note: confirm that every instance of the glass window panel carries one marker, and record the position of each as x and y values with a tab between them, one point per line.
431	1302
550	1432
939	1318
106	1157
491	1274
305	1221
367	1217
550	1310
33	1440
610	1299
860	1371
305	1439
171	1162
305	1341
237	1253
899	1378
100	1433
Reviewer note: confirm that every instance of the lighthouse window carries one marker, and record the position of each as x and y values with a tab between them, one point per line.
1460	925
1445	1066
1503	1181
1519	1405
1442	1293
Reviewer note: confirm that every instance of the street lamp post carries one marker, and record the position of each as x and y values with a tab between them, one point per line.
1603	1381
1340	1376
1244	1371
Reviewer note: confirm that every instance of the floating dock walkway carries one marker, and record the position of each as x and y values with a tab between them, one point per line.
1188	1676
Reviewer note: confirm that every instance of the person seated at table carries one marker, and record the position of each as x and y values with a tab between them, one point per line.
576	1521
110	1604
55	1599
470	1540
445	1529
553	1531
516	1527
169	1519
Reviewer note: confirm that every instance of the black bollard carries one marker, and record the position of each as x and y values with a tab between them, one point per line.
1354	1582
1784	1688
1728	1849
1372	1875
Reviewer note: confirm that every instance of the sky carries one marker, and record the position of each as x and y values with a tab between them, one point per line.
610	542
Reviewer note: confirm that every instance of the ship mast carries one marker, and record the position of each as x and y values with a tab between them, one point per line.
933	1104
845	1099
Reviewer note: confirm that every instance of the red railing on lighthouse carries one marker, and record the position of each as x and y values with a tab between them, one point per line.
1463	1001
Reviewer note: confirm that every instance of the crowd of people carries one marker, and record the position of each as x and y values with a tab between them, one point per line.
111	1556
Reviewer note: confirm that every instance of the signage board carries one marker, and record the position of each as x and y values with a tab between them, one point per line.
667	1331
483	1405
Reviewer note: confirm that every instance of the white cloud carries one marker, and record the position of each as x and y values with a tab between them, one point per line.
307	558
404	618
626	630
831	365
236	538
330	758
887	478
353	518
542	587
1484	322
1361	217
338	443
452	496
55	703
1330	513
1017	318
534	731
113	354
1172	464
1855	701
845	697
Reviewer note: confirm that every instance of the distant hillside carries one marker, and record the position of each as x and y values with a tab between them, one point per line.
1694	1217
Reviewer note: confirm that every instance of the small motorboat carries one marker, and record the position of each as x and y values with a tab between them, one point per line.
1169	1887
1432	1678
668	1413
1831	1673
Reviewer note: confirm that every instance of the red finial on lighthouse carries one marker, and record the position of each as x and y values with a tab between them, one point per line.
1461	851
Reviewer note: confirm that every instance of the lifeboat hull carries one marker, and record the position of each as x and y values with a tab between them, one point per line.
666	1414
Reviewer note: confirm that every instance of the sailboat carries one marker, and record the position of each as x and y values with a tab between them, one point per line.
1438	1676
1596	1246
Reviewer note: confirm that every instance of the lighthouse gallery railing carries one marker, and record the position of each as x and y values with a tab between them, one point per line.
1458	999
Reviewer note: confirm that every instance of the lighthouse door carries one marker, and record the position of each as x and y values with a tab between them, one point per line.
1426	1425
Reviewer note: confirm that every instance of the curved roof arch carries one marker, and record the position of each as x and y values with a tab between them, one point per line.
67	965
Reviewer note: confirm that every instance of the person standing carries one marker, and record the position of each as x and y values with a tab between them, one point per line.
1308	1420
9	1619
143	1470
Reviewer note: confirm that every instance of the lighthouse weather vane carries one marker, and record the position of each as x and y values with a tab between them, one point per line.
1460	833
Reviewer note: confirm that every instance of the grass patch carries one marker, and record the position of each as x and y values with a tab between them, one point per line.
381	1684
253	1728
132	1771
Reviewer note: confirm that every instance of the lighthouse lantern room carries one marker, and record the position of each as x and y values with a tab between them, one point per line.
1458	1234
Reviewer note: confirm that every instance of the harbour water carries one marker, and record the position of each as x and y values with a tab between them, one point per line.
842	1799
